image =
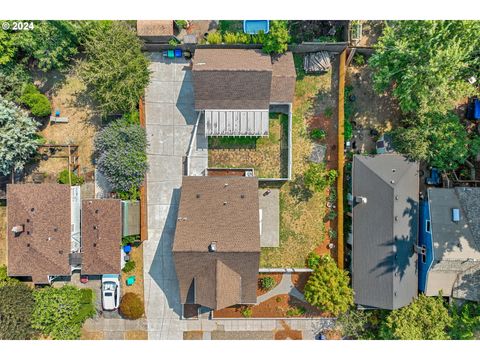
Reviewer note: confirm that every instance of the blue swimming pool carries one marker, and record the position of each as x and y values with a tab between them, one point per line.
255	26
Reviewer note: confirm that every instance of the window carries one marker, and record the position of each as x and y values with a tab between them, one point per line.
424	253
427	226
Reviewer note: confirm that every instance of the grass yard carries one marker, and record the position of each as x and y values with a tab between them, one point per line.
302	225
267	155
3	234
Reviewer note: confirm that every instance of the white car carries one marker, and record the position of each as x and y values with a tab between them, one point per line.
110	292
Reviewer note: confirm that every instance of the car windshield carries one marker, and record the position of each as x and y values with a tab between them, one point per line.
108	294
109	286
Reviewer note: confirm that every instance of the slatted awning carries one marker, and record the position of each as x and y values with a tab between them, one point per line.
236	122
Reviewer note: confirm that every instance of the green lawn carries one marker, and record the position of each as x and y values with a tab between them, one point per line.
267	155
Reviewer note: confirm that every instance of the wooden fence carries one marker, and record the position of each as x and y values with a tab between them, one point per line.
143	188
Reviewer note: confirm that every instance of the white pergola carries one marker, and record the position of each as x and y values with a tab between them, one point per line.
236	122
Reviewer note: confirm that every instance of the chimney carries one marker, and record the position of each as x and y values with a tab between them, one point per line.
212	247
17	229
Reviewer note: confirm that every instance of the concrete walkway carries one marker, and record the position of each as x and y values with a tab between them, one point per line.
284	287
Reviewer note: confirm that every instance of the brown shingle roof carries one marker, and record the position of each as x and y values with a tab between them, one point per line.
231	79
43	247
101	236
241	79
154	27
223	210
283	79
218	209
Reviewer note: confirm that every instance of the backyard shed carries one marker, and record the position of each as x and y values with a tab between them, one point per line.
155	30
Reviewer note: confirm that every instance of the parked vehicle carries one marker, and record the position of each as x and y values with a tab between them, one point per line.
110	292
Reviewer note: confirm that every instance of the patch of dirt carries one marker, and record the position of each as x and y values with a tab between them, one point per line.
371	31
275	276
91	335
83	123
193	335
333	334
287	333
371	111
3	235
275	307
299	280
135	335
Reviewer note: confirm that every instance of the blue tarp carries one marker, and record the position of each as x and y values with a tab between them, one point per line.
424	240
476	109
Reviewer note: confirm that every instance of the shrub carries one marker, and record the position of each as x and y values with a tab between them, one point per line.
173	42
63	178
359	59
318	178
278	299
318	134
332	214
38	103
328	112
267	283
246	312
181	24
132	194
131	306
129	266
313	260
243	38
296	311
87	305
122	154
16	308
131	239
347	130
5	279
18	139
276	41
214	38
230	38
328	287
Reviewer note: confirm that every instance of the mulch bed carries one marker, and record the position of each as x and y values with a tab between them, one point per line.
276	276
299	280
287	333
275	307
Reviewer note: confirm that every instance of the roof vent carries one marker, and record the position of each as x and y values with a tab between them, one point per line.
360	200
394	170
198	196
212	247
49	238
396	197
225	185
456	215
32	209
17	229
396	218
242	196
224	203
392	181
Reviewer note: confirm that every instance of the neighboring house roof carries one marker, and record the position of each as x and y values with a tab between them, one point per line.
240	79
283	79
101	236
154	28
42	248
456	245
219	212
385	230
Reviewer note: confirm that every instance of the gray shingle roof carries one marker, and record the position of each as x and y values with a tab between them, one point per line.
385	231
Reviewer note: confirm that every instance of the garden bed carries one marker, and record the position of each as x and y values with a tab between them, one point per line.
137	288
277	277
268	155
303	213
281	306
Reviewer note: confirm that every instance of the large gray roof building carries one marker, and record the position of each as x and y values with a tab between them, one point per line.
385	227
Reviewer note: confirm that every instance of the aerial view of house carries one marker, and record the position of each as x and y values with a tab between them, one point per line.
239	179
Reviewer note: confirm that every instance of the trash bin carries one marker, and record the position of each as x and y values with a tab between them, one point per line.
127	249
130	280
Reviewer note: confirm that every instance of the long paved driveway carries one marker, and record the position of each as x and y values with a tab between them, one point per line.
170	119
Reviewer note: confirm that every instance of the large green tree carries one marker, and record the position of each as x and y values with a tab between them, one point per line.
57	312
121	148
438	139
16	309
18	139
328	287
427	318
276	41
426	64
115	70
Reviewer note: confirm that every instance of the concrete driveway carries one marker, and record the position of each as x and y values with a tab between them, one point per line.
170	120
